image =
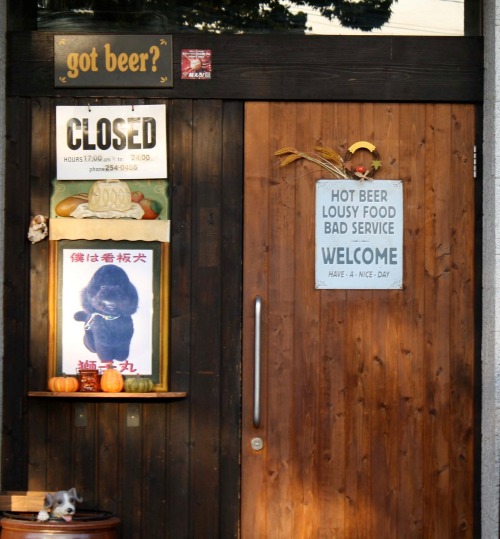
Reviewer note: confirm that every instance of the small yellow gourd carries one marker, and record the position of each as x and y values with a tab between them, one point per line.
111	380
63	384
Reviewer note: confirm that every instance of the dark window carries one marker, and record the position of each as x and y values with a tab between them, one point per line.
396	17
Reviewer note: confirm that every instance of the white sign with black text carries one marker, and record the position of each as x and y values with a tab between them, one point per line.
111	142
359	234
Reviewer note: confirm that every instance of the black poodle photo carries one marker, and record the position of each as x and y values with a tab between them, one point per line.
108	302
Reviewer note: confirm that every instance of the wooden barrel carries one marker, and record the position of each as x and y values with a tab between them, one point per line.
86	525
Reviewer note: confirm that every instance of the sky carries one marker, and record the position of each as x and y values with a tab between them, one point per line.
409	17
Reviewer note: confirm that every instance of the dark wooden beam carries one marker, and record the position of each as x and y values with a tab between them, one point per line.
21	15
317	68
473	17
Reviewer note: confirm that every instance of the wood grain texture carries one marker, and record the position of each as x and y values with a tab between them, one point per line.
16	283
268	67
172	475
368	429
368	394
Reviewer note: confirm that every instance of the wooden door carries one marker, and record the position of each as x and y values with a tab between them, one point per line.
367	396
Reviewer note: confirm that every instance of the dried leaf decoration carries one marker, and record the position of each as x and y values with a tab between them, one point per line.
330	154
331	161
284	151
325	157
290	159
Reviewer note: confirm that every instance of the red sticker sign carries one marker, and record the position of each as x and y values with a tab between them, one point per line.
196	64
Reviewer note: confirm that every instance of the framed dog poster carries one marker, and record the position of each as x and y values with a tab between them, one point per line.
108	303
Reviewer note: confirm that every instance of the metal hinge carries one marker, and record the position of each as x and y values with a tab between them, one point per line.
475	162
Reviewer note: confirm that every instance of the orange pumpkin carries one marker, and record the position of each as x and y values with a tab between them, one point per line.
63	384
111	381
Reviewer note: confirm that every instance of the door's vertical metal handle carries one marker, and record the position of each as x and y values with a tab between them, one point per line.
257	362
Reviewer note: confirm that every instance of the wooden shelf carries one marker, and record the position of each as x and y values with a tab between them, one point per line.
165	395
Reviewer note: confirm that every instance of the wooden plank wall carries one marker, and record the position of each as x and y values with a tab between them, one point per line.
287	67
368	396
186	452
164	478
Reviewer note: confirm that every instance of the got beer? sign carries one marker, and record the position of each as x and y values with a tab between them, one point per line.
120	142
359	234
113	61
